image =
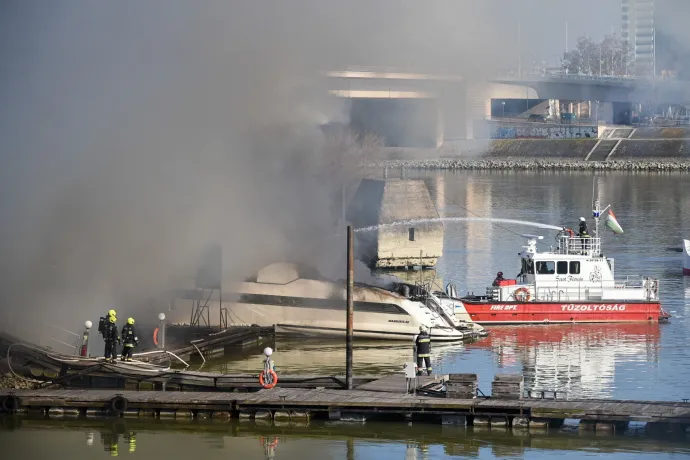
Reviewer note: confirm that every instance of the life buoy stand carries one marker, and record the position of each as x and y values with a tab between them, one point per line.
10	404
521	295
274	379
155	336
118	405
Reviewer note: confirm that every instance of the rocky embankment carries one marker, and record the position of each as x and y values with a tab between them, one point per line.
530	154
540	164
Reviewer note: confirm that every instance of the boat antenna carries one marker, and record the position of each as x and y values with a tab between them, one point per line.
595	207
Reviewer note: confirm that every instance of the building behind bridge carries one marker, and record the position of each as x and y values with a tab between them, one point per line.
658	32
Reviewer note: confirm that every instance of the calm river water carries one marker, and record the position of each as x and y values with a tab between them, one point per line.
630	361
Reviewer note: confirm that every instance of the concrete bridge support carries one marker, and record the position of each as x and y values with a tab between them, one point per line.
400	122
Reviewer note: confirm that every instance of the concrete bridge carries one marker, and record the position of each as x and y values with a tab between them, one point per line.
415	109
420	109
603	89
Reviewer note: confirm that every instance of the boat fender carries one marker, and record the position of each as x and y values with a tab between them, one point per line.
521	295
118	405
10	404
155	336
274	379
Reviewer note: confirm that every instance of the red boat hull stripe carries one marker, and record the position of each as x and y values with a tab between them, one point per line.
557	312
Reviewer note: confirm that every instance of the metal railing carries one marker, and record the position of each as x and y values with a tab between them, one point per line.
527	75
578	245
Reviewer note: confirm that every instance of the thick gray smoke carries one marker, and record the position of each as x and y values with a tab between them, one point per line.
134	134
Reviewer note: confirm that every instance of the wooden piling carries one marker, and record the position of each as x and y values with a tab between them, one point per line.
350	305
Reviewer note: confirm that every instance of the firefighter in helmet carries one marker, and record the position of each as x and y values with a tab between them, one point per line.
129	339
423	344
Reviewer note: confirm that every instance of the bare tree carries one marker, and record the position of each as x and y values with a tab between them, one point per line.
610	57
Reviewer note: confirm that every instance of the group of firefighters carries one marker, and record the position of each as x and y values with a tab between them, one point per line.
128	339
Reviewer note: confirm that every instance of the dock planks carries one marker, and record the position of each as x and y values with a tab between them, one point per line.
362	402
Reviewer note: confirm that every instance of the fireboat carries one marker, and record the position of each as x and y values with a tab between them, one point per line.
571	283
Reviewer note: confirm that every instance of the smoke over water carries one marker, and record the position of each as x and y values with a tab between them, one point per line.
134	134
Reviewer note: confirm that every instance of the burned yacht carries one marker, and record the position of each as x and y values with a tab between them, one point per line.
298	301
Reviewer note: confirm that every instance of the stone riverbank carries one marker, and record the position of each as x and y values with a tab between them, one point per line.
542	154
539	164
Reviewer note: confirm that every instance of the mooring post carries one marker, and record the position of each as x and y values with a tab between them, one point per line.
84	349
161	330
350	305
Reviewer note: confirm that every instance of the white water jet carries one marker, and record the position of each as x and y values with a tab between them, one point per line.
457	219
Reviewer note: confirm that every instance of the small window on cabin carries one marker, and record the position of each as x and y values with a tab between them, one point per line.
530	267
574	268
562	267
546	268
410	233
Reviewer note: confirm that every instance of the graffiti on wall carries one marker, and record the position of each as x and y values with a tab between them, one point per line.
502	132
544	132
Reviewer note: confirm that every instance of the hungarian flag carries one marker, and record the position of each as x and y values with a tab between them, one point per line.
612	223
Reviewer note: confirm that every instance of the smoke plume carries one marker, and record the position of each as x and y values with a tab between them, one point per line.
134	134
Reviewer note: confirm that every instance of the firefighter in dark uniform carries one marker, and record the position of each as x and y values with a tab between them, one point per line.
103	322
583	233
423	344
129	339
111	338
499	278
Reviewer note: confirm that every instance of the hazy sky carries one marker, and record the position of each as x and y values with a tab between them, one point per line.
544	24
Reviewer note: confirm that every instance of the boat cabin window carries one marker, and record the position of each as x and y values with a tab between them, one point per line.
527	267
562	268
574	267
410	233
546	267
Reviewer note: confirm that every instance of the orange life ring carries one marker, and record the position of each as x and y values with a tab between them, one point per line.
155	336
571	233
268	385
521	295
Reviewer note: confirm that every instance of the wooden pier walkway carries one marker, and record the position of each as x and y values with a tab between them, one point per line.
296	403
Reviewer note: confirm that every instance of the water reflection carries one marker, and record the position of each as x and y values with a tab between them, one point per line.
175	440
578	359
310	356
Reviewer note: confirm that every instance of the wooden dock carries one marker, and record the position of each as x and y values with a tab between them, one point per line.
354	405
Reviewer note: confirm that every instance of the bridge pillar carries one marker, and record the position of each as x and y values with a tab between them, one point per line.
554	109
440	124
478	107
605	112
400	122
